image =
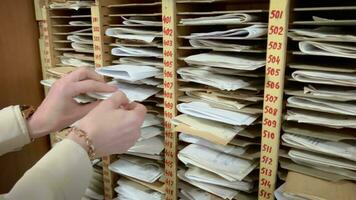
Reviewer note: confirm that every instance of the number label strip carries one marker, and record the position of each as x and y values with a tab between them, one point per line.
273	96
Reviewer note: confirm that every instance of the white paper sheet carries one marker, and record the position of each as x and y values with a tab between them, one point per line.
222	192
149	132
151	146
136	51
205	111
201	175
328	49
217	44
130	190
323	105
85	48
328	33
80	39
223	82
193	193
331	92
80	23
71	4
320	160
151	120
330	78
129	72
228	149
138	168
231	18
142	20
141	34
76	62
133	92
227	60
254	31
340	149
323	119
157	62
229	167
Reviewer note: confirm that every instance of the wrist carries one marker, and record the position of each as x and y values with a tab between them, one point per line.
35	129
79	140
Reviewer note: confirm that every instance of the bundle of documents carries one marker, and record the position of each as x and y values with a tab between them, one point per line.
330	78
142	20
84	48
233	18
80	39
71	4
324	32
205	111
135	51
254	31
129	72
132	91
220	45
76	62
226	166
140	34
223	82
226	60
328	49
139	168
80	23
157	62
335	93
128	189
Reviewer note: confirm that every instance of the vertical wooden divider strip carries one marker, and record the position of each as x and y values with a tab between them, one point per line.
97	18
170	96
273	96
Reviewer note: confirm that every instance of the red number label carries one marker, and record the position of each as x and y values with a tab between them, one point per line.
275	45
268	134
272	85
265	171
267	148
270	110
273	59
265	194
266	160
272	71
275	30
271	98
270	123
276	14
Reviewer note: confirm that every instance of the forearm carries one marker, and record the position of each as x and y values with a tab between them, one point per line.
63	173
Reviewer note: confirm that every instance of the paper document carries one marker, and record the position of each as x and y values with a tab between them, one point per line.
193	193
152	146
229	167
226	60
71	4
85	48
80	39
128	189
133	92
232	18
48	82
157	62
327	33
218	44
329	92
330	78
254	31
80	23
151	120
129	72
228	149
149	132
139	168
213	131
201	175
136	51
205	111
324	119
223	82
314	159
220	191
140	20
328	49
76	62
140	34
340	149
323	105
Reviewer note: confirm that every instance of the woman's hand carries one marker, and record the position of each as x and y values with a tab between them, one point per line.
113	126
59	109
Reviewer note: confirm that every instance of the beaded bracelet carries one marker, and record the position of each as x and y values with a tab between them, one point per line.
82	134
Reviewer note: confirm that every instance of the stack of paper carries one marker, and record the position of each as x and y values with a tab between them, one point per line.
326	33
328	49
71	4
142	20
80	39
320	77
128	189
254	31
140	34
76	62
234	18
222	45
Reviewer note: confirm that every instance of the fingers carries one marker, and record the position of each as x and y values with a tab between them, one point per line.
84	73
136	111
117	100
86	86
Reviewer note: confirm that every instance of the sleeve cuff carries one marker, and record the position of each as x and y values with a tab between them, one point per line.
13	129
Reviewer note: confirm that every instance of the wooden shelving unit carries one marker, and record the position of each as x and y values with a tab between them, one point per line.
277	16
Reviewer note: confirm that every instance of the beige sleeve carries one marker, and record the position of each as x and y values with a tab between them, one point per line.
63	173
13	130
